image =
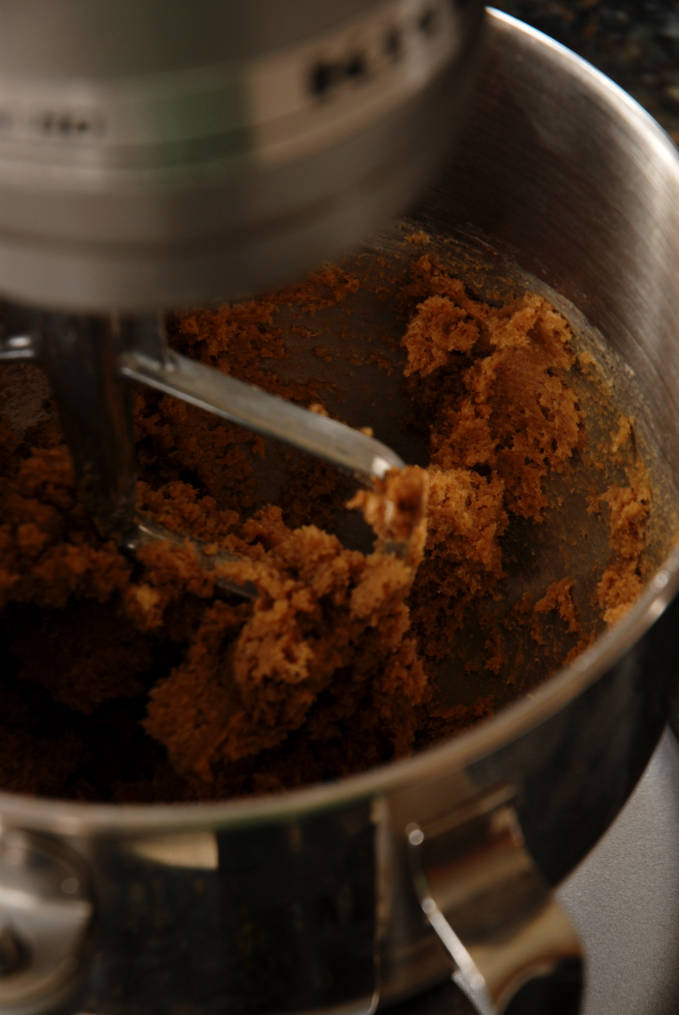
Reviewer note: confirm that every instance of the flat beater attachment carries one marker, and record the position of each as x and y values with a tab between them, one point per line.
90	361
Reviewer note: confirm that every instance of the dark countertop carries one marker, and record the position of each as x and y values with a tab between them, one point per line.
635	42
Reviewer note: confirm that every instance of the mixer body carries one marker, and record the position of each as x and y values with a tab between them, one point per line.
156	155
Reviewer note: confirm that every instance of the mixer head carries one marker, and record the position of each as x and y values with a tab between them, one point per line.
161	154
156	154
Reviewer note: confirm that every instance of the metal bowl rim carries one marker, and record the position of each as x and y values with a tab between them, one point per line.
462	750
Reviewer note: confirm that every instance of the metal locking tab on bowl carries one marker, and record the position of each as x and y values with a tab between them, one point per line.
515	952
45	913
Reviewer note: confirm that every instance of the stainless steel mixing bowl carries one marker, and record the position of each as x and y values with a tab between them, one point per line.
332	897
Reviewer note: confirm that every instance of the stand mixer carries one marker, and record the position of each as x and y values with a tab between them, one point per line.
154	156
158	155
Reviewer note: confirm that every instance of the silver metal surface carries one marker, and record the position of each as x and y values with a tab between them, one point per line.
156	155
45	914
310	902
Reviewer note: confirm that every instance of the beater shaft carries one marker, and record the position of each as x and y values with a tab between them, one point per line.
79	354
257	410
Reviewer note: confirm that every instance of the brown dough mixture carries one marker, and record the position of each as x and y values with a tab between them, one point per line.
143	680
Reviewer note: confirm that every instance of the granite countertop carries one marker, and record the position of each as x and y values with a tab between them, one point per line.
635	42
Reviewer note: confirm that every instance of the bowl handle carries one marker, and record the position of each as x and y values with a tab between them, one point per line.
514	950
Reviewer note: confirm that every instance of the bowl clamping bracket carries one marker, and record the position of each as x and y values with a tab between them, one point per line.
513	949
